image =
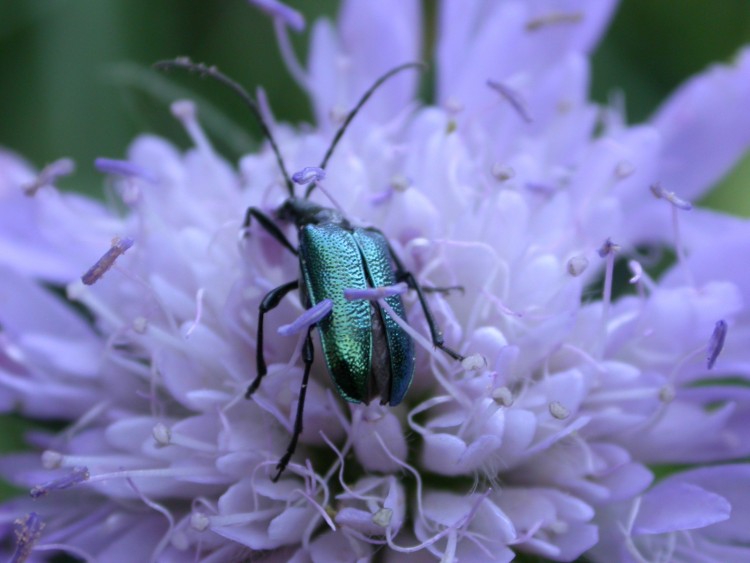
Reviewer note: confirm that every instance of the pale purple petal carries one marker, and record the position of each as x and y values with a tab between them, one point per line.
372	38
670	507
707	110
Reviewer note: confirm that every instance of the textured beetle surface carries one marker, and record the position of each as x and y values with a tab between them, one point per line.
367	352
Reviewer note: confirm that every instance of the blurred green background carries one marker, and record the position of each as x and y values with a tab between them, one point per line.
75	78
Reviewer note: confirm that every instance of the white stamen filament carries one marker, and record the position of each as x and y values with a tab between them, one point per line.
241	518
52	460
428	346
161	510
289	57
187	113
198	312
165	436
166	472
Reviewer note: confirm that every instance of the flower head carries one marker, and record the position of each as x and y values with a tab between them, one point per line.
575	386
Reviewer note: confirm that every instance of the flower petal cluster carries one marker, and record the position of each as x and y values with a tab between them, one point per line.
597	412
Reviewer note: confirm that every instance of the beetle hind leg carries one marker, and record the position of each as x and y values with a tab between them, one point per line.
435	332
307	358
444	290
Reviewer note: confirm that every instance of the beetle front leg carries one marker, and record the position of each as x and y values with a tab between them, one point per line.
270	301
307	358
269	226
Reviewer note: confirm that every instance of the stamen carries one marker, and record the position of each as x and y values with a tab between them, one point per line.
577	265
161	509
296	70
716	344
375	293
607	251
637	271
559	411
400	183
198	312
162	434
311	316
624	169
28	530
553	18
474	362
164	472
677	204
419	339
502	173
608	248
513	97
453	105
501	307
502	396
123	168
140	325
308	174
49	175
667	394
383	517
119	246
318	184
281	12
199	521
671	197
187	113
337	114
52	459
77	476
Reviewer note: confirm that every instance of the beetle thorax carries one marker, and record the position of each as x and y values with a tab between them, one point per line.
305	212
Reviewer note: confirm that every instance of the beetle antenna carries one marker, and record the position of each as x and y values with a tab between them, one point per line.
366	96
212	72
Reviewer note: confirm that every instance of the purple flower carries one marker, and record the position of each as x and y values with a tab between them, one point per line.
545	440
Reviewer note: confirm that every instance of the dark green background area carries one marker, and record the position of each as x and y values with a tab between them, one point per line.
75	78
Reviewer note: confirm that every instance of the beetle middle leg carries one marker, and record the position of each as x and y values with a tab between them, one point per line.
435	333
307	358
270	301
444	290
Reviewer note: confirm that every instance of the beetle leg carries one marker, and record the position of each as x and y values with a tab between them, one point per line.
269	226
435	333
444	290
270	301
307	358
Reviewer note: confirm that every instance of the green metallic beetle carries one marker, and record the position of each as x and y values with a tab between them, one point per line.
368	354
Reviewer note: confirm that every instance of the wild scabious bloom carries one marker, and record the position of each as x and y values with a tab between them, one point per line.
601	420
